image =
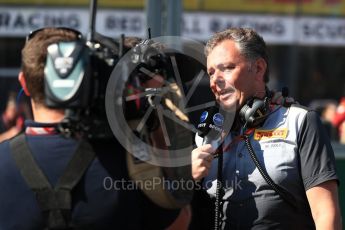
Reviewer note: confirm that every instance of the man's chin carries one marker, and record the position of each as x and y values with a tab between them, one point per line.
229	106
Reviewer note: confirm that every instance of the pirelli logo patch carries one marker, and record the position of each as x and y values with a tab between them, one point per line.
260	134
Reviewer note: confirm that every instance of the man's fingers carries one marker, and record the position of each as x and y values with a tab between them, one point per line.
202	156
201	161
200	170
207	148
208	157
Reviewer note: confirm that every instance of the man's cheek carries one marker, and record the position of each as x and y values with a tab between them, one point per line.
213	88
216	95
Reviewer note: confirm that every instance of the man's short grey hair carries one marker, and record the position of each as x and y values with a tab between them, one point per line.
251	45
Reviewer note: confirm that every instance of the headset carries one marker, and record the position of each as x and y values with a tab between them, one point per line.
254	112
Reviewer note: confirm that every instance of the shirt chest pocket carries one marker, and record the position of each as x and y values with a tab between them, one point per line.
276	157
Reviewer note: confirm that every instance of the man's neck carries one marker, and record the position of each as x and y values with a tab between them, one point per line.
44	114
261	91
237	125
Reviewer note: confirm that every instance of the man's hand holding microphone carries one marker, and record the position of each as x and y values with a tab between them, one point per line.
209	138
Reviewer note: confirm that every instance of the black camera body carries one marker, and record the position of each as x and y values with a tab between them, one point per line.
148	55
146	60
75	79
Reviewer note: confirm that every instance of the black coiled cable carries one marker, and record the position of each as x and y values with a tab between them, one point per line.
219	191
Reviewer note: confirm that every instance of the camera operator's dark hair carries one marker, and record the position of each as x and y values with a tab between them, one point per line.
34	56
251	45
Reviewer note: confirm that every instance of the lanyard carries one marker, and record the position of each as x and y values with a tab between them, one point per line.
237	139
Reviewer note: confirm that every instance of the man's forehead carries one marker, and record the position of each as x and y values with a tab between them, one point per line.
223	52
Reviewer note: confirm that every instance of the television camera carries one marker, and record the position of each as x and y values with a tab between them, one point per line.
77	73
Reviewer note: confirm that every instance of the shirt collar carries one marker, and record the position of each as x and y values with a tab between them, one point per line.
38	128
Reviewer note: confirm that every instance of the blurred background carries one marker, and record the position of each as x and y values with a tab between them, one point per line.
306	40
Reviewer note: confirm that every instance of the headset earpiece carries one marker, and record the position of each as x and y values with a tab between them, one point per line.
254	112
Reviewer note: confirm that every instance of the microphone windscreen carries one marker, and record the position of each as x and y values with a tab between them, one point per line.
211	125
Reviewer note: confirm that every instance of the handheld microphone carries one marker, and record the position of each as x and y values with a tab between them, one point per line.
210	127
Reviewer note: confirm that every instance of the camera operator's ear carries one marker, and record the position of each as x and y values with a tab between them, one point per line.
260	69
21	79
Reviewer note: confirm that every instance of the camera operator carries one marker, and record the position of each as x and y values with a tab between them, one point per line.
90	202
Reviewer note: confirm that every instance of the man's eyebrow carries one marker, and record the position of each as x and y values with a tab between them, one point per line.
225	64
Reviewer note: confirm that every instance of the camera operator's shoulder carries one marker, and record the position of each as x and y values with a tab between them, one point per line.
7	164
107	146
4	148
110	154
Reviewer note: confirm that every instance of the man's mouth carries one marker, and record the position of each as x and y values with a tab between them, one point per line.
225	93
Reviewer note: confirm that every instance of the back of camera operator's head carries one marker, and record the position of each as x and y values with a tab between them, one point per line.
34	56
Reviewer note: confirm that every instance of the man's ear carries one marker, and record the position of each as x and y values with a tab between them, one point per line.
21	79
260	69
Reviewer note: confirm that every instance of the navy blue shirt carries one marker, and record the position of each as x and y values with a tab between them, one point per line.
2	125
96	202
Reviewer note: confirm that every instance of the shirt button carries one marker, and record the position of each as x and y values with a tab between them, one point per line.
240	155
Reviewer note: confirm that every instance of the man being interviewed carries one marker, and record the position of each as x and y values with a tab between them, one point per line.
289	144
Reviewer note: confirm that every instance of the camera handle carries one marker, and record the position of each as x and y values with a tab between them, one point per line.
92	21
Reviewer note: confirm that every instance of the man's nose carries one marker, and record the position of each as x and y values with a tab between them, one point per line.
218	77
217	81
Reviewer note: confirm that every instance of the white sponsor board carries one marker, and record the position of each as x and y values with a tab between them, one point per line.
275	29
321	31
18	21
